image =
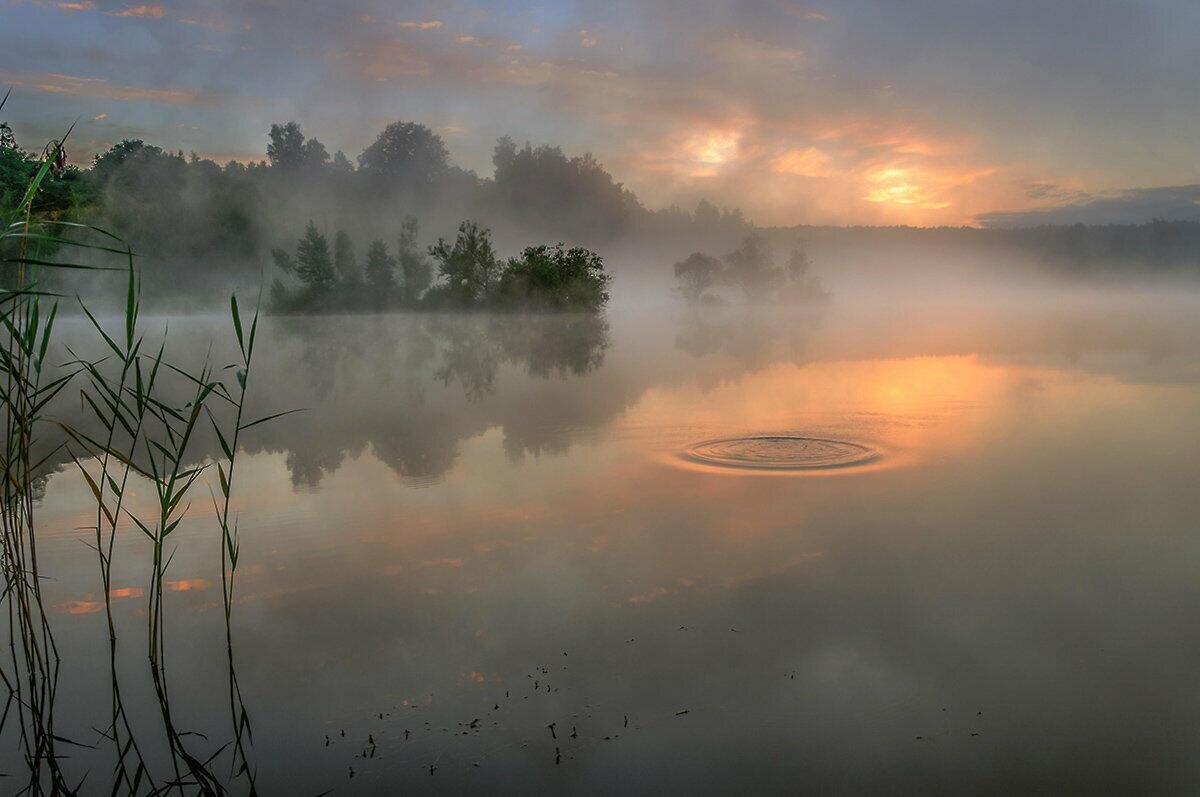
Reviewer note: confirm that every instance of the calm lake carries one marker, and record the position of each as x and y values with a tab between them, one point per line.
930	542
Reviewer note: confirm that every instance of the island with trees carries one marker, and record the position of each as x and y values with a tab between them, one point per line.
469	275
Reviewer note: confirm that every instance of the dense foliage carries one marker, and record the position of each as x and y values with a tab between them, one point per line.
554	278
469	275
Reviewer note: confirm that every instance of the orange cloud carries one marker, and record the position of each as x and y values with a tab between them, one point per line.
82	5
923	188
79	86
80	607
804	162
141	12
429	24
188	585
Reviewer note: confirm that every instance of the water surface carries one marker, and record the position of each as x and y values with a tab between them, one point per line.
481	526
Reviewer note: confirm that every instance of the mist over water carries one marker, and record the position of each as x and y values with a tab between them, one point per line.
484	524
656	397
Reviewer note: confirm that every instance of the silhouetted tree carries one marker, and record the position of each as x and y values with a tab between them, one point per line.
286	146
545	190
802	284
342	164
406	155
314	266
696	276
750	267
315	154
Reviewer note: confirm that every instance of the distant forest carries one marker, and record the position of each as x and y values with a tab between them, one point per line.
1154	247
200	225
198	220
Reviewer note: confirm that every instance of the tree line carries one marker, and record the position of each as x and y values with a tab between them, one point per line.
469	275
198	223
201	225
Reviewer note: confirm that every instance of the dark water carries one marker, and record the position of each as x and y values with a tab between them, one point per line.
481	526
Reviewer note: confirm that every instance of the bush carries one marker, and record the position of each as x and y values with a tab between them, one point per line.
554	278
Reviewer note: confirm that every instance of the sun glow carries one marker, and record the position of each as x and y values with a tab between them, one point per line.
713	148
899	187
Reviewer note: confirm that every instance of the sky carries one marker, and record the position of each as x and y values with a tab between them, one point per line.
923	112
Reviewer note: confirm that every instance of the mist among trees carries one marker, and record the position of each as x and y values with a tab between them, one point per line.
750	271
351	228
469	275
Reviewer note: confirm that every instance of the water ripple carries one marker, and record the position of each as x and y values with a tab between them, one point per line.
781	452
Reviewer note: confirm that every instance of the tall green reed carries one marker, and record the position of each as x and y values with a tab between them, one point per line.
135	430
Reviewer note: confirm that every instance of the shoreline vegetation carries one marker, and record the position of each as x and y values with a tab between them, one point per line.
135	449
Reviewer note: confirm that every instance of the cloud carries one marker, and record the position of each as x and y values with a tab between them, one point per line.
1054	191
78	86
744	53
768	104
153	11
804	162
210	22
804	12
1130	206
429	24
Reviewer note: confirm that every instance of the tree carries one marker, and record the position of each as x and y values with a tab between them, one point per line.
315	154
802	283
696	275
415	270
342	164
406	154
283	261
468	265
381	271
543	189
286	147
344	262
750	267
314	266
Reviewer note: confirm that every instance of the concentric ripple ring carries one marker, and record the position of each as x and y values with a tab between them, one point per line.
781	452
